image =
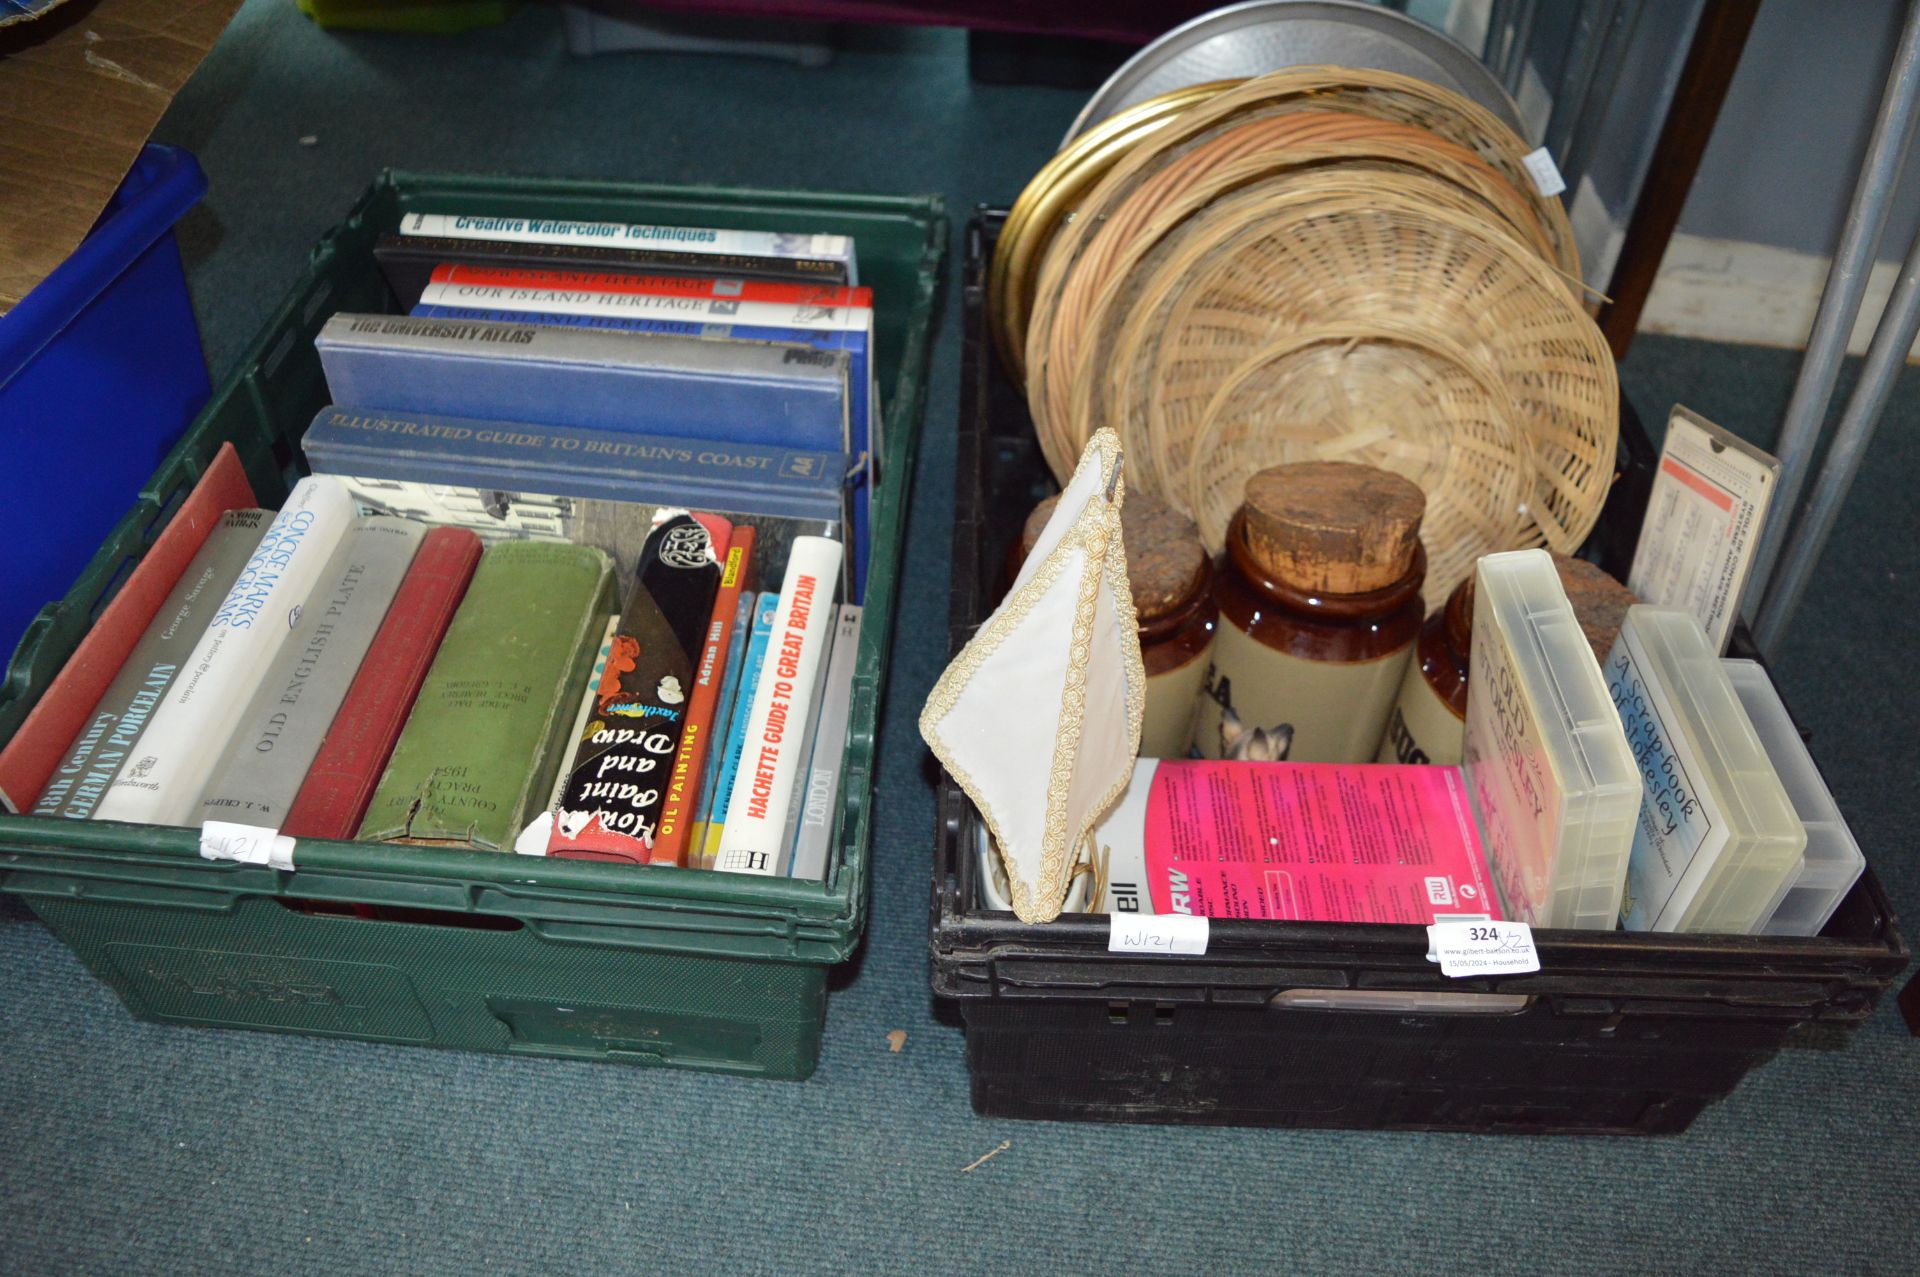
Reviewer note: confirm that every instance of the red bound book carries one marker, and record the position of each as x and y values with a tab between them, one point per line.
690	759
334	796
36	749
713	289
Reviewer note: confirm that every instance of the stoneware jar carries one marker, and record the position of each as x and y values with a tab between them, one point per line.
1319	593
1172	585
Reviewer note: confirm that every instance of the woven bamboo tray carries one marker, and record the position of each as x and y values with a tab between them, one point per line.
1398	398
1373	258
1377	94
1108	384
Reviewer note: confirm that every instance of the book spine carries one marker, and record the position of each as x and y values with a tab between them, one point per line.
333	796
736	328
170	760
696	287
618	778
481	745
751	666
87	768
690	239
282	729
804	320
689	760
742	626
813	844
379	443
408	261
743	392
763	789
60	716
809	725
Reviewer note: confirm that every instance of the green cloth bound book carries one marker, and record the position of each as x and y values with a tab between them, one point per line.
480	750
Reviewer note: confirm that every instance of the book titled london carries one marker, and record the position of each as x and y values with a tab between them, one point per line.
742	392
171	761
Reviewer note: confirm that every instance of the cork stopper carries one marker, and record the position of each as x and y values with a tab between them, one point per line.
1333	527
1165	557
1600	603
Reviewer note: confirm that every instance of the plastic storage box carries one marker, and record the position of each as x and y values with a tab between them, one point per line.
100	371
1327	1025
493	953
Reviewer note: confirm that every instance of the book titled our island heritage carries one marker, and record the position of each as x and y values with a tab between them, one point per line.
753	839
171	761
481	746
742	392
621	765
333	797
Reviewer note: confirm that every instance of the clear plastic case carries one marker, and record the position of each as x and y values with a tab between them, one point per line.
1554	786
1832	862
1718	842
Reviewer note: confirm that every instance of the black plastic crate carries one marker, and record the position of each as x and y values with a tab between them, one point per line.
1335	1025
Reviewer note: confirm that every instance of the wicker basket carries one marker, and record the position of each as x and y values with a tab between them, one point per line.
1376	259
1098	390
1402	399
1050	198
1380	95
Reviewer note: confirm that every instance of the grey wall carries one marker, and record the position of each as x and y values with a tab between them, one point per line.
1791	135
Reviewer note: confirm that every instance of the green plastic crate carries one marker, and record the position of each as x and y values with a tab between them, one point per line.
500	953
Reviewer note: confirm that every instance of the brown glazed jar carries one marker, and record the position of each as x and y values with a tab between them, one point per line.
1429	719
1172	585
1319	595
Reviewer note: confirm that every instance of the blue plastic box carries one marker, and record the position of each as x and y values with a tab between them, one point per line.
100	372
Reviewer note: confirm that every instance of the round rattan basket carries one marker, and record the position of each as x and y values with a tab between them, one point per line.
1379	95
1266	273
1050	198
1221	204
1398	398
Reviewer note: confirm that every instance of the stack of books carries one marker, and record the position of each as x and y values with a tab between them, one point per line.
577	571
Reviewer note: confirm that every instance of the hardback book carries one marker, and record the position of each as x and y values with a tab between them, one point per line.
704	241
36	750
813	842
773	394
696	735
483	741
281	730
525	306
617	780
408	260
333	798
766	609
171	760
97	754
809	722
495	456
750	841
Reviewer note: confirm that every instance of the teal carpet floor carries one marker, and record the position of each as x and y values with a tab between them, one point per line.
131	1148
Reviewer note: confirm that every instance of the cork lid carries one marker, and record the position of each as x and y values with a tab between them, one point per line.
1333	527
1600	603
1165	559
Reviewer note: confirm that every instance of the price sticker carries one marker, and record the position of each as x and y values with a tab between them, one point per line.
1478	946
1156	933
1544	172
246	844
